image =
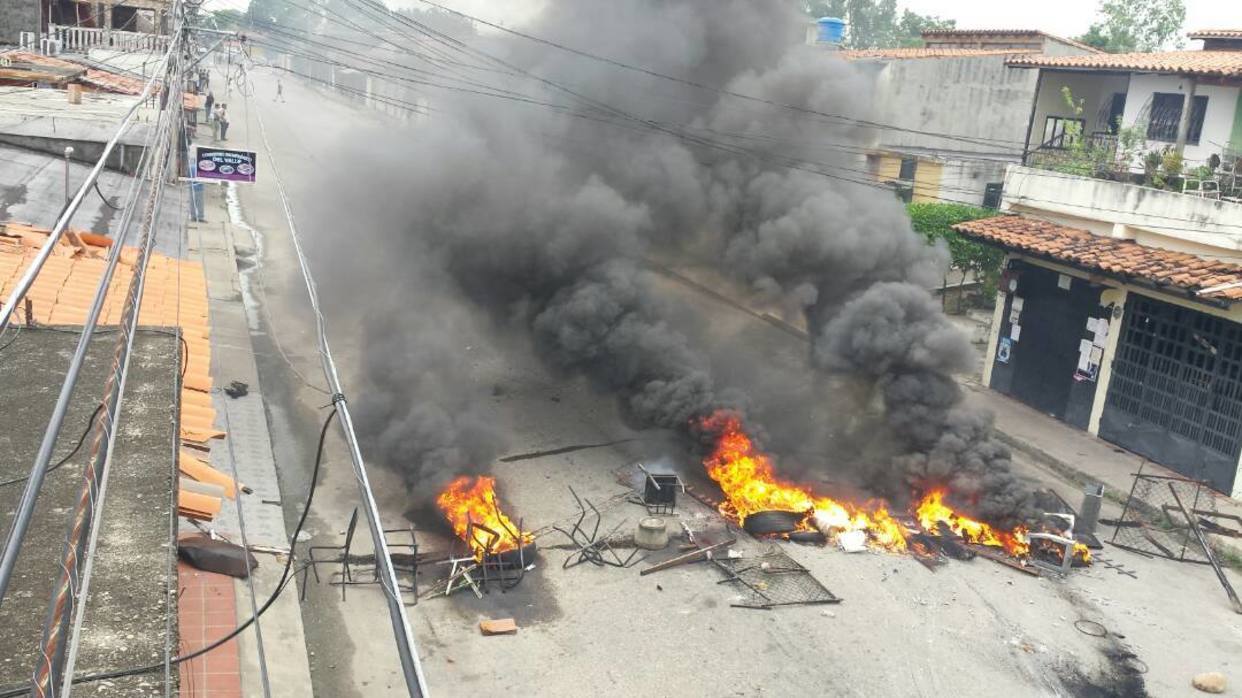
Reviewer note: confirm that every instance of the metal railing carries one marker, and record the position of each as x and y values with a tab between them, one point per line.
82	39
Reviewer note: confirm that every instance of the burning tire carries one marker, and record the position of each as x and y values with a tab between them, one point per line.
767	523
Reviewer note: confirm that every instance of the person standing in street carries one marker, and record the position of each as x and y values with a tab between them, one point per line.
215	123
208	104
223	118
280	91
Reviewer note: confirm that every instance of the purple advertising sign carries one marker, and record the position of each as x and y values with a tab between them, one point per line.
225	165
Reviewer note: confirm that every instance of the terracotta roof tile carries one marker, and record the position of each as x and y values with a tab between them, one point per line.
927	52
1124	258
65	288
1211	63
1216	34
942	34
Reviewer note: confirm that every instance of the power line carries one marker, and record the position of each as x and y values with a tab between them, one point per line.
410	664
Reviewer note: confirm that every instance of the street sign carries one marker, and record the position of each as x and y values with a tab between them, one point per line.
225	165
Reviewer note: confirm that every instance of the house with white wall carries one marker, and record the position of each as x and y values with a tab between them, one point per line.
1120	304
954	113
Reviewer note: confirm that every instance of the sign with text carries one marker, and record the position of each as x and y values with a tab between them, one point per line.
225	165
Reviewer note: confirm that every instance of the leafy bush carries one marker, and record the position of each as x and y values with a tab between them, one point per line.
934	221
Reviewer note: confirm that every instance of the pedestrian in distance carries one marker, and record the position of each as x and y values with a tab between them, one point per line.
208	104
280	91
223	118
215	123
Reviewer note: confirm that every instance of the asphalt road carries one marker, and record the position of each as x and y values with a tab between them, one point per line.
969	629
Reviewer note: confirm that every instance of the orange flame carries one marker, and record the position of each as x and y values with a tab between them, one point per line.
750	485
932	511
468	500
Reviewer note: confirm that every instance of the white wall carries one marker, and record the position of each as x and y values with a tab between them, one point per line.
1154	217
966	181
1217	121
1095	89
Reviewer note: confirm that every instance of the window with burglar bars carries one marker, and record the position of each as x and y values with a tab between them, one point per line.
1165	372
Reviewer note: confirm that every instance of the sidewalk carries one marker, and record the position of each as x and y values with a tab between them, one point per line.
1078	456
247	448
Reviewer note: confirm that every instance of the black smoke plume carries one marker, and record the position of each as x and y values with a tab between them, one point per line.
542	219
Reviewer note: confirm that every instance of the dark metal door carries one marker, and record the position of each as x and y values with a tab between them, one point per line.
1176	390
1044	358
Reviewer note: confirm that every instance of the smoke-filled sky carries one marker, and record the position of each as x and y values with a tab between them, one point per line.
1062	17
530	222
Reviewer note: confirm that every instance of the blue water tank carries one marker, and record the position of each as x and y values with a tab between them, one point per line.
831	30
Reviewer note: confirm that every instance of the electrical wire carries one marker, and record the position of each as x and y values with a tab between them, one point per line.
81	440
862	177
285	579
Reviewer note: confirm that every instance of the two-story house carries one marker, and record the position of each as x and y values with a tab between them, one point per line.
1120	309
950	116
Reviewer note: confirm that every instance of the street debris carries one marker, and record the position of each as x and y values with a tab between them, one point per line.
204	553
237	389
499	626
692	556
591	547
1209	682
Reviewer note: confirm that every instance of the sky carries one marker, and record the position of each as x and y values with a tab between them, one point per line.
1061	17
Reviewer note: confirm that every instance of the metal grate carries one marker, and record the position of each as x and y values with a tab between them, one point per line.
773	579
1181	370
1153	523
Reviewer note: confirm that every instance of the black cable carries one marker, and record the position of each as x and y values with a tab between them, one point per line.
81	440
104	199
285	578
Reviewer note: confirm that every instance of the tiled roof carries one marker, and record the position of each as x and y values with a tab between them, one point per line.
1216	34
929	52
113	82
942	33
1125	259
1211	63
175	294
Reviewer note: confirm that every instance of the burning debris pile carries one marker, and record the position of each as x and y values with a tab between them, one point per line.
751	487
470	507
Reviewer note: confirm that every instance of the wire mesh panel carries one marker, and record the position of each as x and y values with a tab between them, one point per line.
773	579
1155	522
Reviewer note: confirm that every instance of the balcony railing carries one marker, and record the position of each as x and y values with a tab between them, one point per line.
82	39
1100	156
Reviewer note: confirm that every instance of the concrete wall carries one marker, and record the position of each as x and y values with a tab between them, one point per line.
18	16
1095	89
977	97
1166	219
966	181
123	158
1218	121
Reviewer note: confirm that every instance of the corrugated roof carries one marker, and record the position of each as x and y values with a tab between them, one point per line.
1216	34
940	33
175	294
928	52
1126	259
1210	63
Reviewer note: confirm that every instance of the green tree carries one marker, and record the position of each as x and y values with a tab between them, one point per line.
1136	25
876	23
935	221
